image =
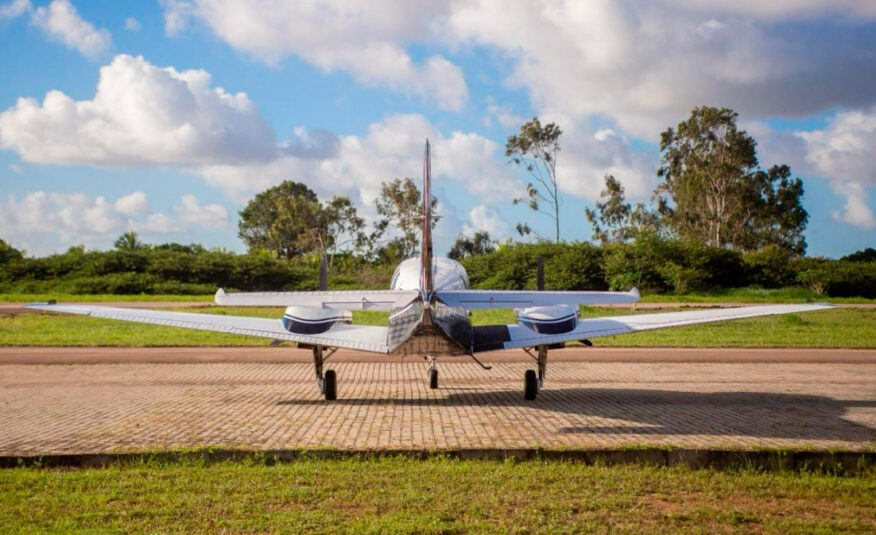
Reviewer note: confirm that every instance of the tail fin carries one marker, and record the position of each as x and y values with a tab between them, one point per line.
426	246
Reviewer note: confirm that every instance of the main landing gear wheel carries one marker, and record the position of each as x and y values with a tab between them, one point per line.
330	385
533	382
530	385
327	382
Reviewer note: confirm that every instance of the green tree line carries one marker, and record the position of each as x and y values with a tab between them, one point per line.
653	263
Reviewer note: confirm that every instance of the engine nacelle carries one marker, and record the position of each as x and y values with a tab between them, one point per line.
313	320
556	319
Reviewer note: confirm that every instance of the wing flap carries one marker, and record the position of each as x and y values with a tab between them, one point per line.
491	299
519	336
361	337
342	300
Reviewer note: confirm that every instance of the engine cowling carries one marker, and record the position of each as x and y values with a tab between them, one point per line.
556	319
313	320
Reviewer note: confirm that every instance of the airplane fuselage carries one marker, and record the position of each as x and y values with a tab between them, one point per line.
447	274
427	326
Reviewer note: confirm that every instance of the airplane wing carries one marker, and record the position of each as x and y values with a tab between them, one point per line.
494	337
362	337
342	300
486	299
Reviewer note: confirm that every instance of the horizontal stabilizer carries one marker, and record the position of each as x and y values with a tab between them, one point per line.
487	299
341	300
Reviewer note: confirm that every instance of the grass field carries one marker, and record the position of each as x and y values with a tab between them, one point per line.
838	328
752	295
397	495
78	298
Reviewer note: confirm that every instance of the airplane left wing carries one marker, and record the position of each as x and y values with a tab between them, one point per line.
361	337
494	337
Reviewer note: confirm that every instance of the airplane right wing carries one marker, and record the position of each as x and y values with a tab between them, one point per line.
340	300
494	337
487	299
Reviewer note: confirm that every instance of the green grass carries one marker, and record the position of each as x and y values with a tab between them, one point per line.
837	328
81	331
397	495
78	298
753	295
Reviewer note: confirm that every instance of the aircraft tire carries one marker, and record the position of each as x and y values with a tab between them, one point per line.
331	385
530	385
433	379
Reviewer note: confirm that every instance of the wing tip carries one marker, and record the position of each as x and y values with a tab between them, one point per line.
219	298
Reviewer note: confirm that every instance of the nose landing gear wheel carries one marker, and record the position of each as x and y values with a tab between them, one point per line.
330	385
433	379
530	385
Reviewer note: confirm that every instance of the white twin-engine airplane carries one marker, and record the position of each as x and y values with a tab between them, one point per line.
429	304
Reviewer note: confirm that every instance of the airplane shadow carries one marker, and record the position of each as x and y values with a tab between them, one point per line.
663	412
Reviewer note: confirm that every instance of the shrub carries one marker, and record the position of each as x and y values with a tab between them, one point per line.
649	263
839	279
866	255
771	267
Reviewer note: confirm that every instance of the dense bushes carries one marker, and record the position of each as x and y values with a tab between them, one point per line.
654	264
659	265
838	278
153	270
574	266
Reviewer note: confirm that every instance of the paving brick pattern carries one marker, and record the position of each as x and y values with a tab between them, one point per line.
53	409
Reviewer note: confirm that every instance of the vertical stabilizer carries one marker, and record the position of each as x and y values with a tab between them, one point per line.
426	246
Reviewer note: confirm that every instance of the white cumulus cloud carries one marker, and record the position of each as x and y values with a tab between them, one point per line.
364	39
645	64
15	8
133	204
844	150
208	216
42	222
61	22
47	222
844	153
637	65
483	218
505	117
140	115
855	210
391	148
158	223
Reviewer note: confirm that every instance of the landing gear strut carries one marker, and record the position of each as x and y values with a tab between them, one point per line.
533	382
433	372
328	382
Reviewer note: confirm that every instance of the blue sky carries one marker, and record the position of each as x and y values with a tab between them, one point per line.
165	117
